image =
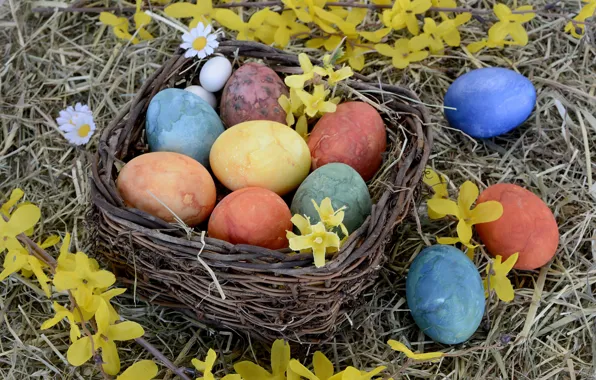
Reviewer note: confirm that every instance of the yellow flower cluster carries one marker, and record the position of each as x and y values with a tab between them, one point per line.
120	25
302	103
284	367
577	27
87	286
440	206
319	238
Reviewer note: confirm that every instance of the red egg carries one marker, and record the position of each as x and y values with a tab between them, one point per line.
254	216
527	226
354	135
252	93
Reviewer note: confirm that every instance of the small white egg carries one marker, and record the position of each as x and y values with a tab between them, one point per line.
203	94
215	73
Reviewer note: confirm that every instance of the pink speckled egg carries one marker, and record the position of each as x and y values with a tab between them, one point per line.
180	182
252	93
527	226
252	216
354	135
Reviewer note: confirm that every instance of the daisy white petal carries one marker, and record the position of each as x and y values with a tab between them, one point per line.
207	30
190	53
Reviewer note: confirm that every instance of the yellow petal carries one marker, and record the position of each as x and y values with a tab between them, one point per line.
434	215
280	357
210	360
15	195
182	10
375	36
79	352
141	19
305	63
102	317
437	182
339	75
417	56
75	332
444	206
50	241
42	278
464	231
13	262
296	81
22	219
462	18
299	243
468	193
518	33
251	371
322	366
420	6
507	265
198	364
109	19
498	31
109	356
452	38
503	288
525	17
486	212
502	11
332	43
101	279
319	251
412	24
398	346
282	37
141	370
448	240
125	331
302	371
302	126
385	50
315	43
475	47
229	19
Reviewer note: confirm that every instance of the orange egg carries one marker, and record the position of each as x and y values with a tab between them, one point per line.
527	226
354	135
180	182
254	216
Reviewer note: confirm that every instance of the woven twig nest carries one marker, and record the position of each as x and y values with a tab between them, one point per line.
269	294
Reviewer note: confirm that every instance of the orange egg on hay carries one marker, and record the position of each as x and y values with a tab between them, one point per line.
354	135
254	216
527	226
176	180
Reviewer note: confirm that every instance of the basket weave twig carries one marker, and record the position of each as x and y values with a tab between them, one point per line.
269	294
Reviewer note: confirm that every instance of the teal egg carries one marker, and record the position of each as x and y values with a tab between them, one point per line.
343	185
180	121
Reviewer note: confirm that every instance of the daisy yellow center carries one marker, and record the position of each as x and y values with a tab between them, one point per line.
199	43
318	240
84	130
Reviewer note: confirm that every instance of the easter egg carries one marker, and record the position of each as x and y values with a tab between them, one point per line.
203	94
180	121
445	294
252	93
527	226
489	101
252	216
215	73
343	185
176	180
354	134
260	153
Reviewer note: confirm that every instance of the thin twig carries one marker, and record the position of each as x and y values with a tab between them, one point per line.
157	353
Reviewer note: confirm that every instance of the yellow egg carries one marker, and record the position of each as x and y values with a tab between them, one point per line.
260	153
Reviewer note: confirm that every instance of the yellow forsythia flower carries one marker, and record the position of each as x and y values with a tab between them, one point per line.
331	218
403	14
308	72
15	196
483	213
107	334
18	259
61	313
398	346
323	369
510	24
405	51
119	26
247	31
315	103
83	275
498	278
352	373
439	185
319	240
578	29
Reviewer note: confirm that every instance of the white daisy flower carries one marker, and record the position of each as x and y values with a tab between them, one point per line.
68	115
79	132
199	41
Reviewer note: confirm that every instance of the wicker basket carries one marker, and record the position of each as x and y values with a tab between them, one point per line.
269	294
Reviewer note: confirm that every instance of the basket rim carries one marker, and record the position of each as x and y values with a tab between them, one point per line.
218	253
